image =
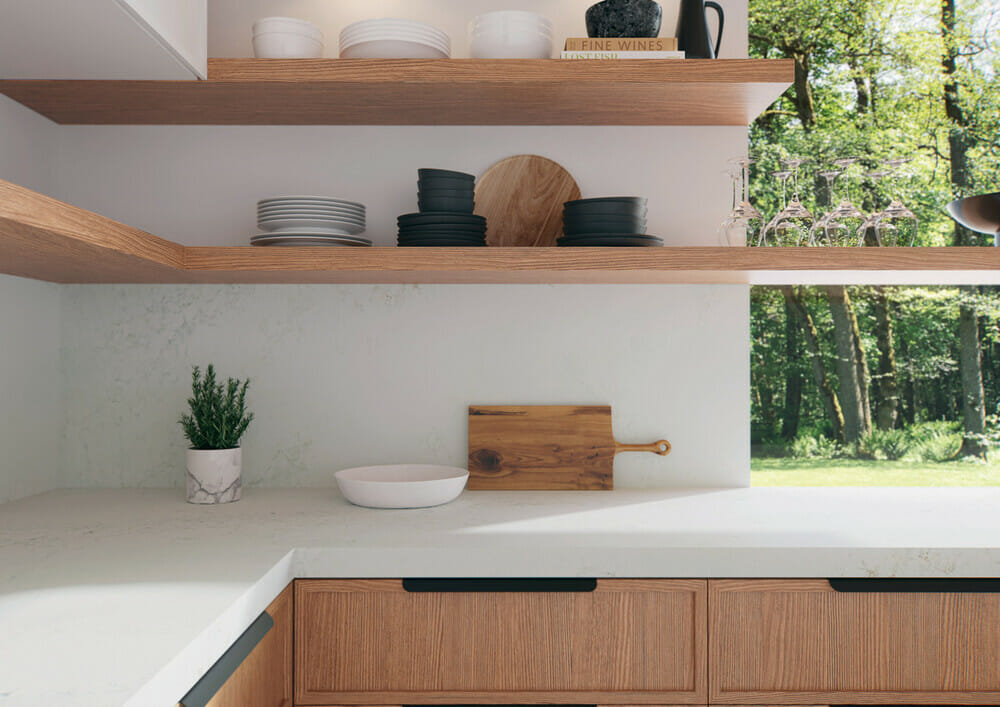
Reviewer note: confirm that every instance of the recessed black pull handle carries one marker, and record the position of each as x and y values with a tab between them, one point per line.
571	584
913	586
212	681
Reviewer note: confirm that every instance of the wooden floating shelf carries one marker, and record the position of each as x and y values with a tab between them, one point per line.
46	239
425	92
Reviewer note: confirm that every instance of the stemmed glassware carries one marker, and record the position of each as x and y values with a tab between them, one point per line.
790	226
742	226
897	225
844	224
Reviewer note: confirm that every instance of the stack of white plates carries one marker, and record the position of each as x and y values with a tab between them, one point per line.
310	220
389	38
510	34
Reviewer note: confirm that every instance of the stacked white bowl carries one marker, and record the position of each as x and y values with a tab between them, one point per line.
510	34
286	38
388	38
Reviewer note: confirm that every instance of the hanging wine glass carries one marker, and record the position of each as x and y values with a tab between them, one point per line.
868	233
769	235
820	233
846	218
743	225
898	225
795	220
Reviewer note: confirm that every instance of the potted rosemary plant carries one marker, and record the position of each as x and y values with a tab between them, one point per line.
213	427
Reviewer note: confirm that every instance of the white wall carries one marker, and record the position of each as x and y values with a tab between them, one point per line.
31	415
370	374
356	375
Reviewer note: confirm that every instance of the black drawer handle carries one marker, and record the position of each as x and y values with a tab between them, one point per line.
572	584
223	669
911	586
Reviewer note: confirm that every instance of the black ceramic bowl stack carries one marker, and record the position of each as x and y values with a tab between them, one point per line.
608	221
447	201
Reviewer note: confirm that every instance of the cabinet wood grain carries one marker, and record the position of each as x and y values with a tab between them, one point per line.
801	642
264	679
628	642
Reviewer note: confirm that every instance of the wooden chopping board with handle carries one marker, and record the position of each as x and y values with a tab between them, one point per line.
522	199
545	447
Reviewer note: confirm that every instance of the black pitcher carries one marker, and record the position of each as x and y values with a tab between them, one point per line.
692	37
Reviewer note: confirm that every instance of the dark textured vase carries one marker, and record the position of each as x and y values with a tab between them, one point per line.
624	18
693	37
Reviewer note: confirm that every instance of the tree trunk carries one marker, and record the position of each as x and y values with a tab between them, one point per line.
793	376
804	105
908	402
886	382
970	368
851	369
970	358
831	404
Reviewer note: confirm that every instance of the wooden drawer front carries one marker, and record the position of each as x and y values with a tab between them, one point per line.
801	642
372	642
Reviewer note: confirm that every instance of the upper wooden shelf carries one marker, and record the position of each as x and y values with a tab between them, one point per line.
46	239
425	92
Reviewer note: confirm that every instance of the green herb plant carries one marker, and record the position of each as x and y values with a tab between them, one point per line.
218	416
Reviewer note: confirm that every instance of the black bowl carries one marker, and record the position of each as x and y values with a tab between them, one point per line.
624	224
445	183
444	191
441	217
445	203
444	173
604	211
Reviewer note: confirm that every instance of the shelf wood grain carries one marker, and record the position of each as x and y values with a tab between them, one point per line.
425	92
46	239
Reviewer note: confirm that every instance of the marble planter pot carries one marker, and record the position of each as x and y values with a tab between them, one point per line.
214	475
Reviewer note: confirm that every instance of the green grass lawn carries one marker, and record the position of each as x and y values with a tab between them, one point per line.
857	472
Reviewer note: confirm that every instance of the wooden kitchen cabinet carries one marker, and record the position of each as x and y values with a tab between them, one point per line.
626	642
264	678
802	642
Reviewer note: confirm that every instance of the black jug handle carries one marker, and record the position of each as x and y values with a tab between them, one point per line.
722	21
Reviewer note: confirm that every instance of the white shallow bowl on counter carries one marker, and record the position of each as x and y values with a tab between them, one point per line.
402	485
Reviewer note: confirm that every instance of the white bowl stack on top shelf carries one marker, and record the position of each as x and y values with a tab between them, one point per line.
389	38
310	221
510	34
286	38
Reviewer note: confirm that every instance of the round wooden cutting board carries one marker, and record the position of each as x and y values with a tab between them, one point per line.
522	199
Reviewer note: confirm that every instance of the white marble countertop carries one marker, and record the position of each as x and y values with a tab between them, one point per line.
126	597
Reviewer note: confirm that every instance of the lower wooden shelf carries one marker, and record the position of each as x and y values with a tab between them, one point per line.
46	239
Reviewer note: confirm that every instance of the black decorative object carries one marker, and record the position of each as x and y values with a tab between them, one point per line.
693	37
624	18
979	213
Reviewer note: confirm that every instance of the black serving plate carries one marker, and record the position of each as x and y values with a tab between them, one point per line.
610	240
441	243
470	230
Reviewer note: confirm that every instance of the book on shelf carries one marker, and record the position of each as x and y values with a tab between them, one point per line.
621	44
622	55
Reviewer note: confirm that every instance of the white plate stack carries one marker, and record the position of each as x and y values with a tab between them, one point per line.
389	38
310	221
510	34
